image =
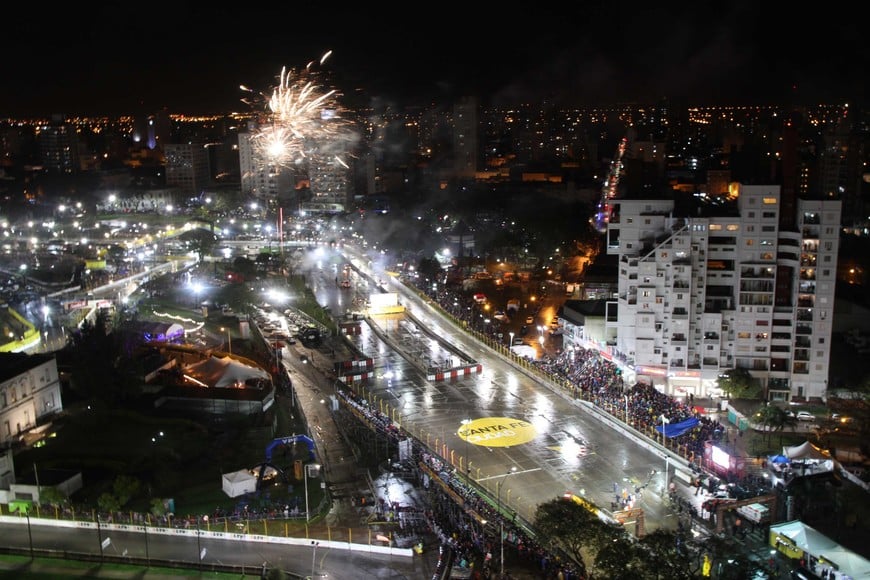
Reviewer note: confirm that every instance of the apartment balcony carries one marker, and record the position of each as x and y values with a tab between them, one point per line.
678	339
680	313
711	336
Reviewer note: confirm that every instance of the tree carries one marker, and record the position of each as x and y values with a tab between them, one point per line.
107	502
621	559
52	496
738	383
126	488
575	528
670	555
199	240
774	418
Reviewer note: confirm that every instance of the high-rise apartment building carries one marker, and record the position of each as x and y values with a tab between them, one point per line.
59	147
465	139
709	291
187	167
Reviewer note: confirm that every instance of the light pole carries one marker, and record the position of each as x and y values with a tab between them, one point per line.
29	533
315	467
626	409
313	556
464	432
511	343
501	519
665	421
229	340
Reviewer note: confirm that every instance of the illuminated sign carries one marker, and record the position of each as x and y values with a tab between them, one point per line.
650	371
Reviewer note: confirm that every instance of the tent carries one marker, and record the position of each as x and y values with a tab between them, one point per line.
805	450
778	459
223	372
239	483
822	548
677	429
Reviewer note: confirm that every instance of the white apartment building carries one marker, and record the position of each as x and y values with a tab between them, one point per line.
29	391
700	295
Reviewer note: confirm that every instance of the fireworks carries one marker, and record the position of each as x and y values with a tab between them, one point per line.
300	118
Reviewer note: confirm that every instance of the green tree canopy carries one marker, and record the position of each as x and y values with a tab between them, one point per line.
574	528
738	383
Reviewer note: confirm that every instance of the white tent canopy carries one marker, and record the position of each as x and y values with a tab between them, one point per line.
239	482
224	372
808	539
805	450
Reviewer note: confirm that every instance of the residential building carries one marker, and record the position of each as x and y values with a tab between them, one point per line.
59	146
187	167
714	289
29	393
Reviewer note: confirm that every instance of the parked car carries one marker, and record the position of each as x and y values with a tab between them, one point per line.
805	416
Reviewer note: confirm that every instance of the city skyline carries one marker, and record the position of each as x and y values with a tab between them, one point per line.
121	59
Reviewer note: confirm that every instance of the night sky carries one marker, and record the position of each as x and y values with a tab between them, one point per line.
123	57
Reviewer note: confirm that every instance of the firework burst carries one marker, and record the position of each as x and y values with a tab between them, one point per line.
299	118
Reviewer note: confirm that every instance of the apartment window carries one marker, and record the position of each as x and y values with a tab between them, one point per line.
751	214
769	201
750	228
826	258
826	273
629	220
768	228
750	241
828	246
732	227
768	215
821	340
647	222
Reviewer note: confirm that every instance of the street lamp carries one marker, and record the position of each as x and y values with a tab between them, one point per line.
626	409
29	533
464	432
665	421
315	468
501	518
313	556
229	340
511	344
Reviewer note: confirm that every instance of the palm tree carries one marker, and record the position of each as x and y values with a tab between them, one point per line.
773	418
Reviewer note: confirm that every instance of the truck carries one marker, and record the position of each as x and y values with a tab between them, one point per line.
569	289
513	305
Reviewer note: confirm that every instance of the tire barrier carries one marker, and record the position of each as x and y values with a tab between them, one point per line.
455	373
